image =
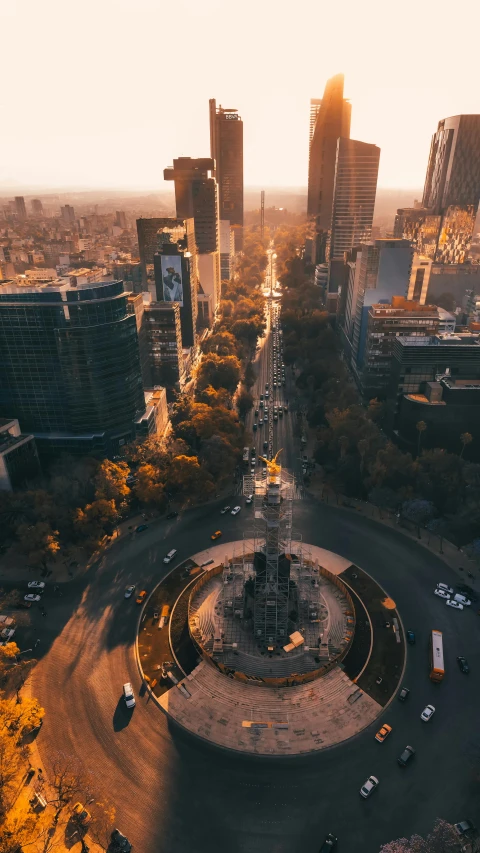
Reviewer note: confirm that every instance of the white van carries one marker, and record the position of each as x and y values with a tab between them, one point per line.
129	695
171	554
462	599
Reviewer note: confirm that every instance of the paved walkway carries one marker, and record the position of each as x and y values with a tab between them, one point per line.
266	721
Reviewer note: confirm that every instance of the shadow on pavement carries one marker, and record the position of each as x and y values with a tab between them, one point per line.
122	716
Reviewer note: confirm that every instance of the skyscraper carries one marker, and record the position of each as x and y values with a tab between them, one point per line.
315	104
147	232
68	214
442	226
37	207
20	208
70	365
176	277
226	149
332	122
196	198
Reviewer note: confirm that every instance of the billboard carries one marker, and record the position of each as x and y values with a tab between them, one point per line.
172	278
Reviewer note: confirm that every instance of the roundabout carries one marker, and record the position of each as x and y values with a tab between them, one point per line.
268	659
174	791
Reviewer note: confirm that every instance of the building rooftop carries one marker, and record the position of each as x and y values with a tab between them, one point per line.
447	339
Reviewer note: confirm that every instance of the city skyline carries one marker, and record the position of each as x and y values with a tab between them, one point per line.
115	146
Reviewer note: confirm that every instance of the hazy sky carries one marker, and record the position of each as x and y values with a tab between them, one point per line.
104	93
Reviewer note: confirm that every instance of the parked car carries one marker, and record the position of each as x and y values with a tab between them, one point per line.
468	591
32	598
141	596
224	510
369	786
462	599
455	604
130	590
216	535
383	733
465	827
171	515
36	585
463	664
404	694
141	528
406	756
80	814
235	510
445	588
24	604
249	499
411	637
6	621
329	844
427	713
442	593
7	634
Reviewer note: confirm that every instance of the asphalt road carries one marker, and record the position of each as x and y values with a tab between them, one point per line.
174	794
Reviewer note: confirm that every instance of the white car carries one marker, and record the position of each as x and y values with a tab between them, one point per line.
368	787
129	695
445	588
36	585
129	591
7	635
249	499
442	593
31	597
427	713
455	604
462	599
235	510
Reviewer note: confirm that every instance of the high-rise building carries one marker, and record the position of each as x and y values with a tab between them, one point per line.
121	219
70	365
315	104
175	269
164	342
37	207
20	208
196	198
147	231
332	122
68	214
18	456
356	173
442	226
226	149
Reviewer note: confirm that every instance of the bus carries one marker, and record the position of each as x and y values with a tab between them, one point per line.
246	456
164	614
437	670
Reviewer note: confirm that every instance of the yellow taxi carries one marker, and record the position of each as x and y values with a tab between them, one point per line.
216	535
141	596
383	733
80	814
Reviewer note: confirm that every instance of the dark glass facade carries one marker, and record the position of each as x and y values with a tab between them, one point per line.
196	198
70	364
332	122
226	148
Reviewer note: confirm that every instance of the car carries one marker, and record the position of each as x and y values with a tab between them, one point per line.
442	593
252	471
216	535
224	510
427	713
369	787
256	413
464	827
455	604
404	694
24	604
406	756
445	588
383	733
7	635
411	637
141	528
119	843
467	590
129	590
255	427
463	664
235	510
169	557
129	695
329	844
36	585
170	515
260	421
249	499
31	597
80	814
462	599
141	596
6	621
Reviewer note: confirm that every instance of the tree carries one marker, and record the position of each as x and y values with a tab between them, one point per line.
421	427
465	438
11	761
244	402
150	486
214	398
95	521
222	343
220	372
20	717
68	778
418	511
39	541
111	481
218	456
188	479
442	839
